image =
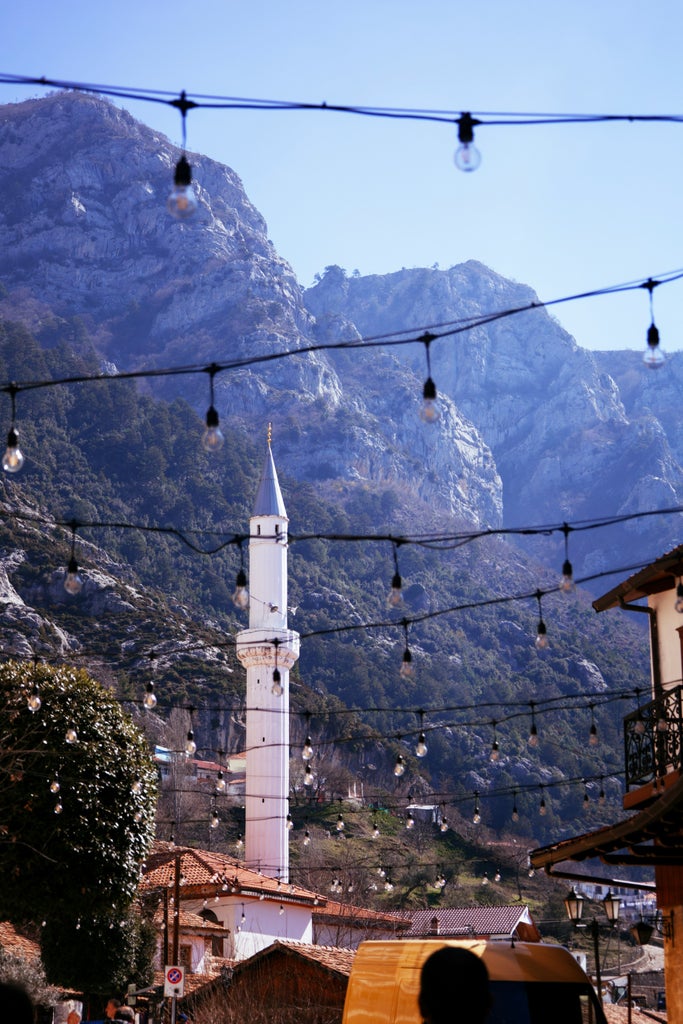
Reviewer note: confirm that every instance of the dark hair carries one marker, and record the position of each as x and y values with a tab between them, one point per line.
124	1013
454	982
16	1005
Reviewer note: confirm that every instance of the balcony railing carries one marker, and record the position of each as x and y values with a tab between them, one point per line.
652	739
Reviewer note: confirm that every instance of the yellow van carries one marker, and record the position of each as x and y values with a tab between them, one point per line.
531	983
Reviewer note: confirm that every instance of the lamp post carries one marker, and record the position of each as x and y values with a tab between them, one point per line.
574	906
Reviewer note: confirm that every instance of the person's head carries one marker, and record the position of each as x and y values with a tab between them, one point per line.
74	1017
125	1013
111	1008
16	1005
454	983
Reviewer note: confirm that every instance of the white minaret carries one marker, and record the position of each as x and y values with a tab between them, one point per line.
266	649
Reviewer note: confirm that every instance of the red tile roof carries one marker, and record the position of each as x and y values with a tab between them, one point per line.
18	945
473	921
360	915
205	872
332	958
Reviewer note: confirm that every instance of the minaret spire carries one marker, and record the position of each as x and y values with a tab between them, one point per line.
268	650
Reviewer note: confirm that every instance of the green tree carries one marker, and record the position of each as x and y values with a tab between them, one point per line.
77	801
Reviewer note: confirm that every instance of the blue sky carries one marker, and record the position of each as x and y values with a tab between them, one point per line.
564	209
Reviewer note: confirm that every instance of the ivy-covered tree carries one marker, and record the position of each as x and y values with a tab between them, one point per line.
77	801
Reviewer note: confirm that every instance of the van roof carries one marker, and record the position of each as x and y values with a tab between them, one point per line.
505	960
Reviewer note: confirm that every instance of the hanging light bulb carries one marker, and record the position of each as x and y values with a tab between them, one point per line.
485	879
182	201
476	817
601	797
495	751
467	156
407	670
586	799
639	724
308	775
307	750
276	688
593	731
13	459
395	596
215	820
375	830
533	731
239	842
73	581
282	910
399	767
429	411
190	744
443	825
410	820
567	579
421	745
55	785
388	885
33	700
71	735
240	595
58	807
136	787
541	631
541	636
340	822
307	838
515	812
679	598
542	809
497	876
212	438
653	356
289	824
149	701
221	784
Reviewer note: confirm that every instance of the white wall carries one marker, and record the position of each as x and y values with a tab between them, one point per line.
264	923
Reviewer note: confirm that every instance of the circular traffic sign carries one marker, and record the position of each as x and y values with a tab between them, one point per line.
174	975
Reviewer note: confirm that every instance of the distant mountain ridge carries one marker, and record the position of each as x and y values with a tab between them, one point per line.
533	430
534	427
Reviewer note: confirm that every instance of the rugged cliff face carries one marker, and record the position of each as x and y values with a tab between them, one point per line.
85	222
570	439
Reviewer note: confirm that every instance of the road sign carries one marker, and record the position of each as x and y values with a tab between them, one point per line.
174	981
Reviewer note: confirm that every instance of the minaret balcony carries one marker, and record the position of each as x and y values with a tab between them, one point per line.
257	647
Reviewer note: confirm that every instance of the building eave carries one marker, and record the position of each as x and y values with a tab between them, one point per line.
626	842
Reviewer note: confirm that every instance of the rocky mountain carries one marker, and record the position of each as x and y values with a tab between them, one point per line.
533	430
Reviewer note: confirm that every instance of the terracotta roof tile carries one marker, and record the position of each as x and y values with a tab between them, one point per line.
18	945
333	958
216	872
347	911
465	921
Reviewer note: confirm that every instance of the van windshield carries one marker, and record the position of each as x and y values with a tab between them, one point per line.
542	1001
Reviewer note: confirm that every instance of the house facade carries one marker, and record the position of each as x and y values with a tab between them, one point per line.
652	834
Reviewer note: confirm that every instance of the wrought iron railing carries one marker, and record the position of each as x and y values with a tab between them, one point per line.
652	738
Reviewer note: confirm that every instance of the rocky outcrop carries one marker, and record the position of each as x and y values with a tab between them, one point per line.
85	220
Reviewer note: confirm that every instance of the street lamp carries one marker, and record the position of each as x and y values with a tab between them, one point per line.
573	903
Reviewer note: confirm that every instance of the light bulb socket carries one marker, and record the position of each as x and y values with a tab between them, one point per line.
183	172
429	390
